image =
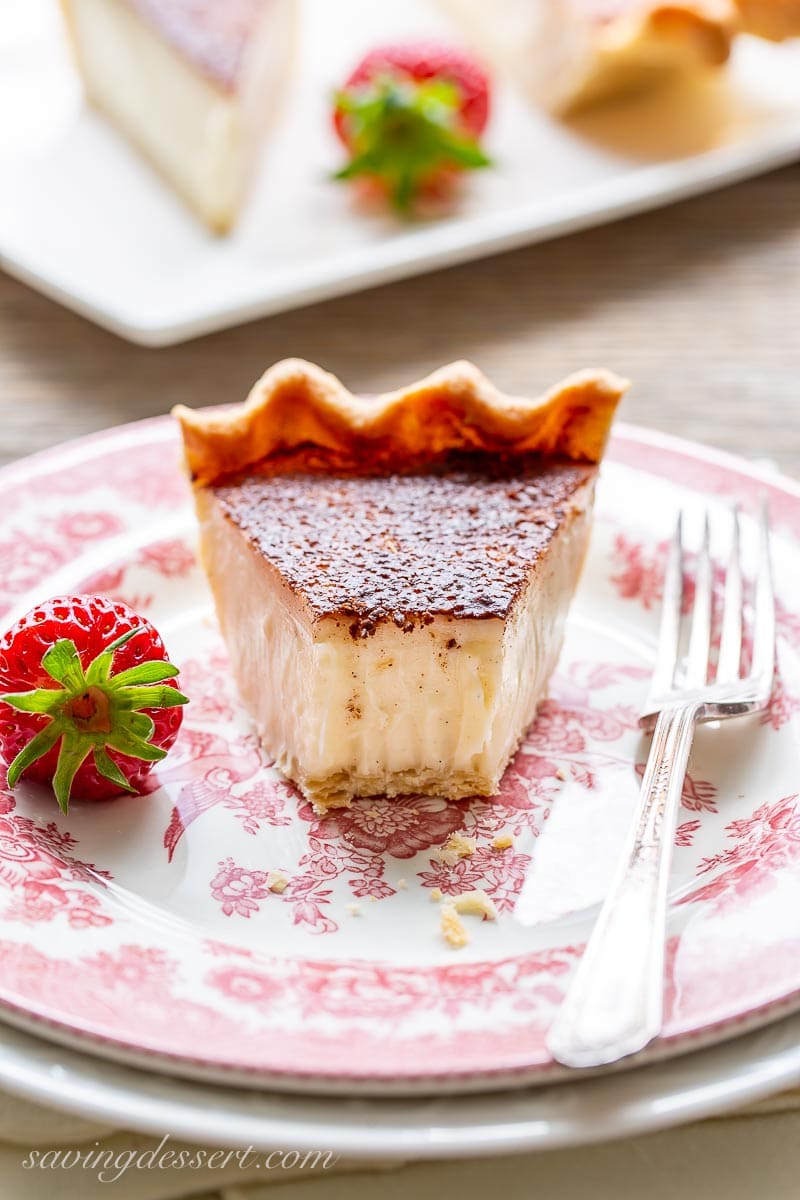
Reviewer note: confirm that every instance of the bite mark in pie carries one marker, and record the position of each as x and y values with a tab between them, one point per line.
392	575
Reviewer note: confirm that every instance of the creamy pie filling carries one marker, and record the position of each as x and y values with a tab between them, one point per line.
353	691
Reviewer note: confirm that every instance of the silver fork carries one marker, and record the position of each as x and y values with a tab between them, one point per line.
614	1005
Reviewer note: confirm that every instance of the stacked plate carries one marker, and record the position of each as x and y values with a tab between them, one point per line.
152	938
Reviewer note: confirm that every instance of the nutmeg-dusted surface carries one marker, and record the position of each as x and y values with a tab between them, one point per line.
296	404
212	34
459	542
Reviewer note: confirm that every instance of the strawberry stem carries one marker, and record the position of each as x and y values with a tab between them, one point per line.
94	711
36	748
74	750
109	769
402	132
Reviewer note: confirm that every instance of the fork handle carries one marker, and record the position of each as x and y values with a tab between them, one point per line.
615	1003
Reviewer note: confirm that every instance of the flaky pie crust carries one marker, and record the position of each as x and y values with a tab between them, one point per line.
297	406
773	19
703	27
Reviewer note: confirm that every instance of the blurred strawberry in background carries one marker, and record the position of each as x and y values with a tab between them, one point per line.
411	116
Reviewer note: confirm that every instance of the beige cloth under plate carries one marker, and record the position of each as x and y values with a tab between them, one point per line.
752	1154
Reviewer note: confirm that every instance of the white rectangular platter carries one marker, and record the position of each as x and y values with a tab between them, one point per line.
85	221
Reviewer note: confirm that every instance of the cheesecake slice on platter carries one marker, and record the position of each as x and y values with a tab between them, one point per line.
392	574
191	83
571	54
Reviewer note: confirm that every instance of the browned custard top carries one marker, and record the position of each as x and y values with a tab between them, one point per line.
459	541
212	34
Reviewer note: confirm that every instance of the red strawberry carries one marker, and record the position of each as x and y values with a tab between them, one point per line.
84	702
411	116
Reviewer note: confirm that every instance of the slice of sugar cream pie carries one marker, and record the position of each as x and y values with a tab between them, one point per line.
192	83
392	574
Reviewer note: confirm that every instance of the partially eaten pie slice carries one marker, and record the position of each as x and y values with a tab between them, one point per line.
392	574
574	53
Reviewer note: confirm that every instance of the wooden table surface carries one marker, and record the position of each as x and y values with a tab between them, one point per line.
698	304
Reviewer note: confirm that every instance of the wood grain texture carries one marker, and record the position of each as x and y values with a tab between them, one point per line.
698	304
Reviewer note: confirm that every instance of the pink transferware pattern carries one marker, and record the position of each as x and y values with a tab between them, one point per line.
151	927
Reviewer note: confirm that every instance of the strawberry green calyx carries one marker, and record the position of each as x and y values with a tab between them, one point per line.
93	711
403	132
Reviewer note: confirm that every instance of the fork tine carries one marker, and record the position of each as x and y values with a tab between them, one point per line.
763	666
730	647
670	626
700	636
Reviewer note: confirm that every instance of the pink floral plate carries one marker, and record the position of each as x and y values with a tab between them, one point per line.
145	928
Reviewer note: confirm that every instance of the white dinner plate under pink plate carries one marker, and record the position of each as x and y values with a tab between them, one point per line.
571	1112
144	928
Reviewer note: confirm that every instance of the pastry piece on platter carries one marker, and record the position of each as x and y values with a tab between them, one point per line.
191	83
773	19
392	574
570	54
